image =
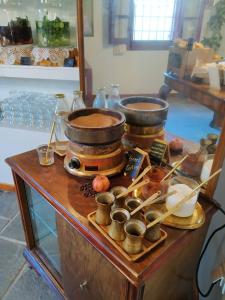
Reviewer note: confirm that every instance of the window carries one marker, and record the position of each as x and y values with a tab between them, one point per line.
153	20
154	24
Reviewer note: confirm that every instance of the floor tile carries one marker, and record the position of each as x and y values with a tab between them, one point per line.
8	204
14	230
11	262
3	222
30	286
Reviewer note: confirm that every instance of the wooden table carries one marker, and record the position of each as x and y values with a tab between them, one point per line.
91	268
201	93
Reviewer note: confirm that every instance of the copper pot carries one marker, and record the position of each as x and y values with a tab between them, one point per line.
104	202
116	230
135	230
94	136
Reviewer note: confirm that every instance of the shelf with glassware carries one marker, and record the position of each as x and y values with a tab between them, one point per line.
38	38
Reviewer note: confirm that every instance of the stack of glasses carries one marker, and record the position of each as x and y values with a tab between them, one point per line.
28	110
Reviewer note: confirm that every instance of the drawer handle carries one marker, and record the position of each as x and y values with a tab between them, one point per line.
83	285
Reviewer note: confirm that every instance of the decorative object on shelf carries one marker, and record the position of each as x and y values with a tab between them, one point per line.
47	57
21	31
52	33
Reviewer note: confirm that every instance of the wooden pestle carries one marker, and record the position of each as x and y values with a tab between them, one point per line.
174	169
151	200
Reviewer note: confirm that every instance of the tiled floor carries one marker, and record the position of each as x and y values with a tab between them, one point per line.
17	281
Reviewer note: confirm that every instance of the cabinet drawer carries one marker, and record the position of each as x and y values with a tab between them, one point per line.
86	273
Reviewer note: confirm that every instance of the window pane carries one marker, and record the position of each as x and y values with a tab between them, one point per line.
154	19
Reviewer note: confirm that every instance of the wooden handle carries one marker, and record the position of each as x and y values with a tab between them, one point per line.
50	140
146	202
146	170
186	198
174	169
133	188
163	197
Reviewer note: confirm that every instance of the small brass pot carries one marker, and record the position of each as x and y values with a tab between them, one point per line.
104	203
134	230
152	234
119	217
117	190
131	204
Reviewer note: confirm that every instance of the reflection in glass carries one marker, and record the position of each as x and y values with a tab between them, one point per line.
44	227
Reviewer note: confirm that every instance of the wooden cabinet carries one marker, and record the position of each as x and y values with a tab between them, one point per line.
86	273
76	260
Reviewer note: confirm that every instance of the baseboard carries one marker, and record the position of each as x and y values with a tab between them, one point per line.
7	187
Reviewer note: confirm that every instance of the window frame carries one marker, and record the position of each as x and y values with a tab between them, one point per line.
157	44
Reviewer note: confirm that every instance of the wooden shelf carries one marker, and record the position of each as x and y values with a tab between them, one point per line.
38	72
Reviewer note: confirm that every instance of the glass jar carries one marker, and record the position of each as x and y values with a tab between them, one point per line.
78	102
52	30
114	96
60	113
100	99
182	186
15	28
192	165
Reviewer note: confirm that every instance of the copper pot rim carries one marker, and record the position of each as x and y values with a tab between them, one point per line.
137	223
120	210
137	99
153	212
105	194
119	115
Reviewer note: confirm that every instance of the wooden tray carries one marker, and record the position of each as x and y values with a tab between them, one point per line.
147	246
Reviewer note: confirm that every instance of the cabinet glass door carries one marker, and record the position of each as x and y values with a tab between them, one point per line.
43	220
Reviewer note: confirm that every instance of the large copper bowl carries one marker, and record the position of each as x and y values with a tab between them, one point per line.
95	136
147	118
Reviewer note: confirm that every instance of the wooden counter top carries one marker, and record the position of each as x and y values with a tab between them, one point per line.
62	191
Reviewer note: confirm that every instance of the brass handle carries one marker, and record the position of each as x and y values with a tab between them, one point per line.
83	285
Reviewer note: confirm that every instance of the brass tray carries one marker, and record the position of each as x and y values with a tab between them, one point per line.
147	246
193	222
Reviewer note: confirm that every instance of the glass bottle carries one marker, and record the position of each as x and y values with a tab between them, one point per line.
51	29
78	102
60	113
100	99
114	96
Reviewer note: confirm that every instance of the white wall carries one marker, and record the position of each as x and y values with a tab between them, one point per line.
135	71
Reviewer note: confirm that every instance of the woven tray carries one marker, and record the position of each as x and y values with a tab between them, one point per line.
147	246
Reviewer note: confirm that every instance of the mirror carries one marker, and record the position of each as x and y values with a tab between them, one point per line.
129	46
